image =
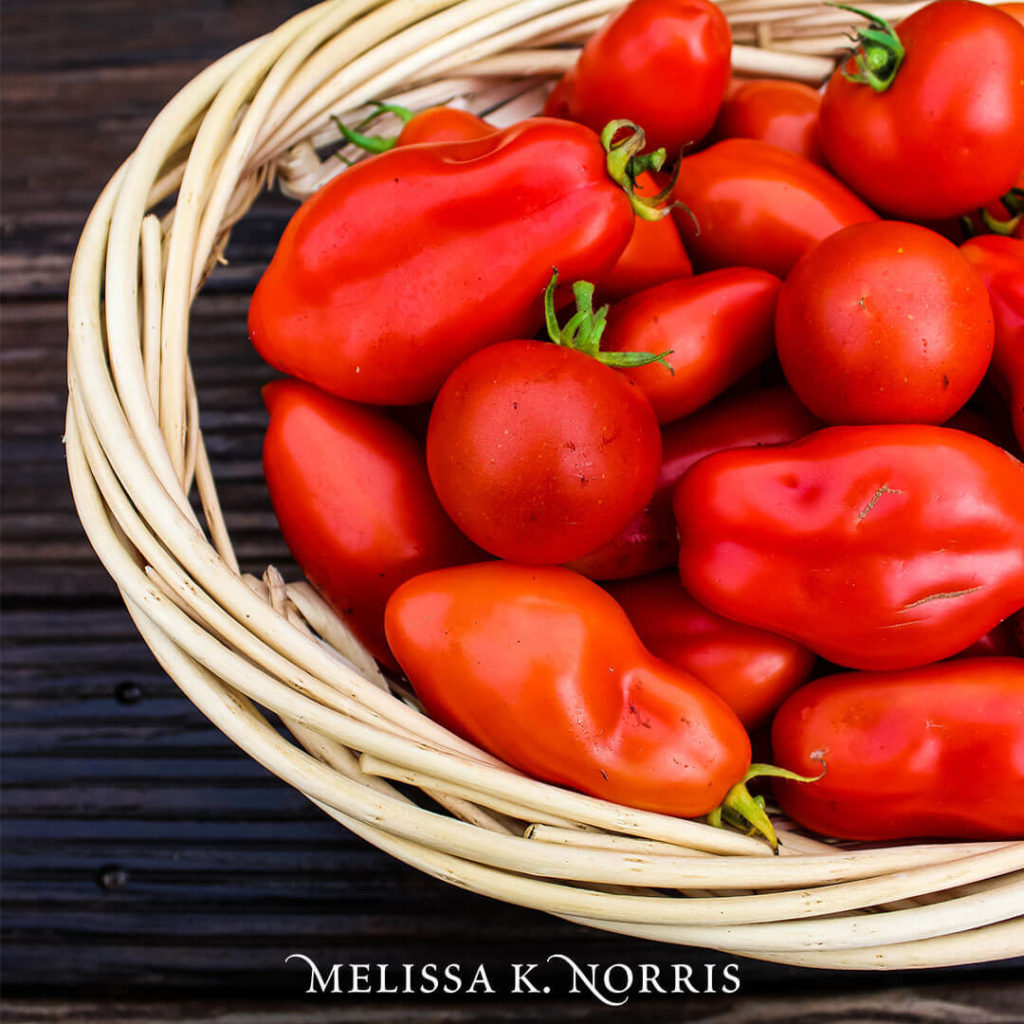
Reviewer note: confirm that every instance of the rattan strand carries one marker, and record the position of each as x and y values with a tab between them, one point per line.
240	647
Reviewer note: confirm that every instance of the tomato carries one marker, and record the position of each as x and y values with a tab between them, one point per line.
542	668
389	276
557	103
878	547
756	205
359	533
654	254
1000	262
648	542
884	322
435	124
713	327
751	669
540	453
784	114
932	751
664	64
914	148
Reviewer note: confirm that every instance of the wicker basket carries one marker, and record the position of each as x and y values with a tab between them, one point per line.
236	644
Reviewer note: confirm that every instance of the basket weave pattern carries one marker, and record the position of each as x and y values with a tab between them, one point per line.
236	644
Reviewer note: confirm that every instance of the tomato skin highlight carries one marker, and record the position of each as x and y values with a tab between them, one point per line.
542	668
664	64
913	150
351	494
878	547
1000	262
648	543
758	206
713	327
752	670
884	322
783	114
924	752
540	453
381	308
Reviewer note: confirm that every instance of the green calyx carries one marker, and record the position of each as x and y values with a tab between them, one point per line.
373	143
583	330
1014	203
744	811
878	52
626	161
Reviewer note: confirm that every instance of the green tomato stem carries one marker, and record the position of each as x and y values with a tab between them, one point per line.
877	53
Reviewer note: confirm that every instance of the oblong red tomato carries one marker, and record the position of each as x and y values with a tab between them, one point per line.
752	670
713	328
768	416
1000	262
884	322
388	277
351	493
653	255
781	113
925	752
542	668
664	64
756	205
539	452
880	547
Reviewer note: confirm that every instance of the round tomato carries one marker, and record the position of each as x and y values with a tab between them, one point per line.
662	63
539	452
784	114
945	133
884	323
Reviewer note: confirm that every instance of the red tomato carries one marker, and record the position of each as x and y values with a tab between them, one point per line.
542	668
539	452
933	751
758	206
884	322
713	327
360	532
655	254
443	124
784	114
1000	262
755	418
752	670
389	276
557	103
946	136
879	547
662	63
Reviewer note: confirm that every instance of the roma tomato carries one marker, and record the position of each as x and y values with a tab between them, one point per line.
884	322
654	254
435	124
784	114
1000	262
928	752
713	328
351	493
664	64
768	416
752	670
880	547
542	668
756	205
904	120
382	308
540	453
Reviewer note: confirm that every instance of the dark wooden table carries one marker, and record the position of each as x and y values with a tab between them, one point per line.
151	871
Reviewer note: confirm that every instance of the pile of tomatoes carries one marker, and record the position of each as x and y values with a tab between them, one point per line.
630	429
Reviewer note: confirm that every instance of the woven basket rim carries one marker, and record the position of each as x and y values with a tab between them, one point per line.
235	644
